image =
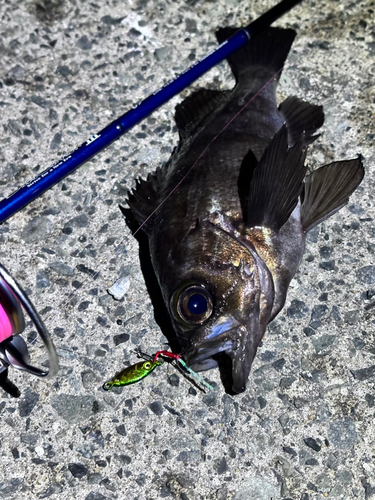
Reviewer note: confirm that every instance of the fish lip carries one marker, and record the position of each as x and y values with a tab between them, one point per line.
215	342
196	355
221	328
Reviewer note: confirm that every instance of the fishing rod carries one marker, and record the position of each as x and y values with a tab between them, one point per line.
13	349
99	141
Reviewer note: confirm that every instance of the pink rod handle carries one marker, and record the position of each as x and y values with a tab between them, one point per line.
6	329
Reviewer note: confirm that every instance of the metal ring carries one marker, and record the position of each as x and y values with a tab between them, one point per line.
35	318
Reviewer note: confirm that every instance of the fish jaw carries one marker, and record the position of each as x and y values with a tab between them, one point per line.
243	354
239	341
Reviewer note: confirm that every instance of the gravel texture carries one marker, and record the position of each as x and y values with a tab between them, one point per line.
304	429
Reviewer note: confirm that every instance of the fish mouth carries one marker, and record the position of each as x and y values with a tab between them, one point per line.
200	355
238	342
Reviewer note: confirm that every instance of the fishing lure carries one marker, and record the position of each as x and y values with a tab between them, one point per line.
138	371
132	374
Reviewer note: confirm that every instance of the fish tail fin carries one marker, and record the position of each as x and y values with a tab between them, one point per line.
327	190
269	48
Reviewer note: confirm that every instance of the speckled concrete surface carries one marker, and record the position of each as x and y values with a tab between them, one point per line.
304	429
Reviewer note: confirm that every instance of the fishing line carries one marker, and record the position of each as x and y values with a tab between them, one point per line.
205	150
63	305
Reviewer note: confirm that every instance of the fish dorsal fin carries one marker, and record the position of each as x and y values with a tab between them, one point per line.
193	110
301	117
191	115
142	199
277	182
328	189
269	48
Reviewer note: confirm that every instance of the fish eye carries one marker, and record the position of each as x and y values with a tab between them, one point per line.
147	365
194	304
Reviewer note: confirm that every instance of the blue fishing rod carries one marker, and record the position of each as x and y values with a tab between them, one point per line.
99	141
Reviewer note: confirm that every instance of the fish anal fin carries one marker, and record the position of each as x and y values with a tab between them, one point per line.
277	182
269	48
301	117
328	189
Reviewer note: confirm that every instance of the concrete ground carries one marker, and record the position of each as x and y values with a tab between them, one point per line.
304	429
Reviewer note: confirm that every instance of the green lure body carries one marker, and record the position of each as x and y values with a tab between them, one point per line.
132	374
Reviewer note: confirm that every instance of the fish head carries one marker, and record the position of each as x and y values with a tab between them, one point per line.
220	296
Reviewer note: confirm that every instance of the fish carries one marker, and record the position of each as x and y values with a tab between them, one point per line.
227	215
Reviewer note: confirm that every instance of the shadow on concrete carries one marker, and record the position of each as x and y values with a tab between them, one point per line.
161	314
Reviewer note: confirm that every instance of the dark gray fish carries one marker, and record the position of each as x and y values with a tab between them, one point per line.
226	244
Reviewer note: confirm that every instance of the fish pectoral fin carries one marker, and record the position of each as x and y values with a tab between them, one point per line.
328	189
277	182
191	113
268	48
301	117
